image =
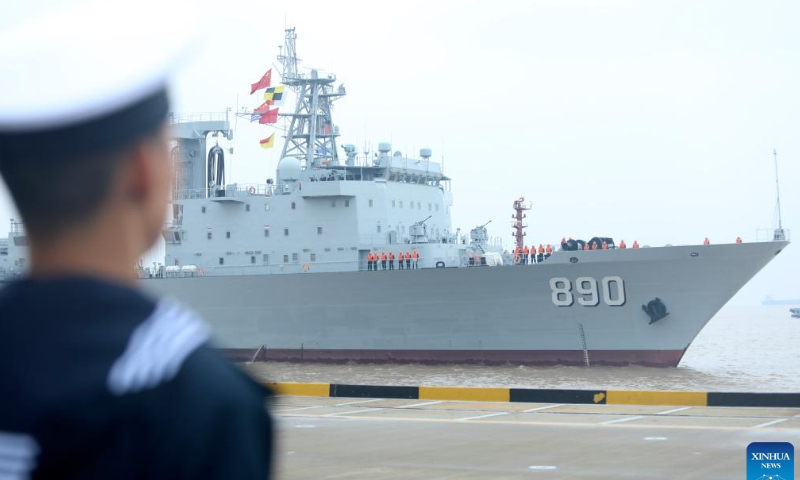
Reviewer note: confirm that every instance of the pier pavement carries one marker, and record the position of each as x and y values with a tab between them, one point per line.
391	438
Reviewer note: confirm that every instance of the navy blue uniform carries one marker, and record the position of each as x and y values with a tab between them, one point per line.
98	381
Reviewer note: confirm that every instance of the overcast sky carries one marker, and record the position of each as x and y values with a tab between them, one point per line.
652	121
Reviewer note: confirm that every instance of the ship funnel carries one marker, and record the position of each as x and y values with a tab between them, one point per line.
425	153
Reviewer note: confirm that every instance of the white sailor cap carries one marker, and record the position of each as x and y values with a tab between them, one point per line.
90	77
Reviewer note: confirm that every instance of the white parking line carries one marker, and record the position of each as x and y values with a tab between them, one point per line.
543	408
773	422
360	401
667	412
482	416
422	404
621	420
295	409
365	410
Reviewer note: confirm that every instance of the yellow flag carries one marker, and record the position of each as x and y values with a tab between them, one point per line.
268	142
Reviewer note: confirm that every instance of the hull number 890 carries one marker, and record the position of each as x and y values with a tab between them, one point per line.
587	292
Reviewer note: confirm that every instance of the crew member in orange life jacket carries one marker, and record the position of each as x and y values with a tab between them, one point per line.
408	260
369	261
415	258
400	259
383	260
540	258
548	251
391	260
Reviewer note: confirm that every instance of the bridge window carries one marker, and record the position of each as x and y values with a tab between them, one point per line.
313	257
221	261
265	259
293	205
294	257
253	259
319	230
286	259
285	232
228	234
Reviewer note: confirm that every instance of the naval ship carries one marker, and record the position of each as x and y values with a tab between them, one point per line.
280	269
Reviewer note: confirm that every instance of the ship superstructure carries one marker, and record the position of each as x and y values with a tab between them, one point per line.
320	213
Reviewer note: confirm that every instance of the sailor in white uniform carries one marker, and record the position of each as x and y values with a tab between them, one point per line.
100	381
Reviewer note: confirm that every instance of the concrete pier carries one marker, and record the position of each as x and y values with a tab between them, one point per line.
375	438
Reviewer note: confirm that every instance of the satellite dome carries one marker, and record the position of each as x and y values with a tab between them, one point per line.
289	169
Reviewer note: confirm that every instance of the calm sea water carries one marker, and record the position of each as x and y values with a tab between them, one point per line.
753	349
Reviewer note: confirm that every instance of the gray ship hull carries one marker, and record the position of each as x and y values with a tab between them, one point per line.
486	314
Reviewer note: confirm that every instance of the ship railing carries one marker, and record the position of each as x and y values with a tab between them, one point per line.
773	234
234	190
198	117
189	193
17	228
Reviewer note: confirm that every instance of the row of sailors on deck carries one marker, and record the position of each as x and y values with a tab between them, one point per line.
387	260
594	245
525	255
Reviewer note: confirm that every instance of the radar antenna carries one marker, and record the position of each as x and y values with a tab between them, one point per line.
779	233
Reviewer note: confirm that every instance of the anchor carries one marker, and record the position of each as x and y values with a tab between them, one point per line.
655	309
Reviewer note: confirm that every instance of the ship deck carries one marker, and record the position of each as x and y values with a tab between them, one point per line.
376	438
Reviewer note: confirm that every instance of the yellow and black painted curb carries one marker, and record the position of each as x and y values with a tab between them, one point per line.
533	395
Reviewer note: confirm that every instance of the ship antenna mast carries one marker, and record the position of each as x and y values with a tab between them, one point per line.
519	215
779	233
288	58
311	135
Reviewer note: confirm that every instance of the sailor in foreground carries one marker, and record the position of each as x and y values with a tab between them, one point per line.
100	381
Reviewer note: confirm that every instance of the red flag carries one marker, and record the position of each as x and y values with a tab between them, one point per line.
264	107
269	117
263	83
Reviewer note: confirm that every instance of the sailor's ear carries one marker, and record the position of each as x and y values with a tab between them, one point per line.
149	172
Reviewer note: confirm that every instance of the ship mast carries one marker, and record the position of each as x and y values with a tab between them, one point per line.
519	234
779	233
311	136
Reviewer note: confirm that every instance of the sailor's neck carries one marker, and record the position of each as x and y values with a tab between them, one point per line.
93	254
